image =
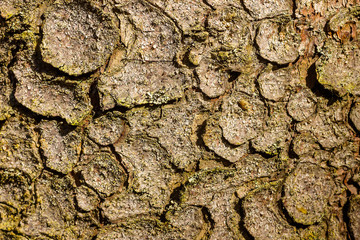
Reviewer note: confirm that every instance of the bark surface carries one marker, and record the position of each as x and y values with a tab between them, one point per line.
179	119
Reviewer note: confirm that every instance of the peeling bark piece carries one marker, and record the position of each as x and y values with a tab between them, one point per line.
226	219
338	69
345	156
278	42
318	231
54	212
107	129
190	15
212	81
255	166
104	174
273	84
61	146
268	9
242	118
46	94
306	193
18	141
86	198
326	131
177	134
275	135
301	105
215	190
262	217
149	169
202	186
127	205
77	37
304	144
355	115
154	36
141	83
139	230
190	221
214	141
232	43
15	189
353	214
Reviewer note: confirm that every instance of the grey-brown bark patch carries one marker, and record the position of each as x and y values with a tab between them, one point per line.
77	37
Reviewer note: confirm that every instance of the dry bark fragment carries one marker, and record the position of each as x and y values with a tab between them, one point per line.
278	42
104	174
306	193
47	94
242	117
338	69
86	198
54	211
301	105
61	146
107	129
77	37
177	134
262	216
268	9
140	83
353	214
18	141
213	139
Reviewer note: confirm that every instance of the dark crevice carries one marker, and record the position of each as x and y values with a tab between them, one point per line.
252	150
293	15
345	209
351	124
118	158
240	210
78	179
291	152
200	131
99	112
286	215
233	76
318	89
209	5
175	198
54	172
208	219
95	97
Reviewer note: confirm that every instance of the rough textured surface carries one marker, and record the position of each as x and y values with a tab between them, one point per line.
104	174
107	129
50	95
354	216
268	9
77	37
278	42
61	146
179	119
306	193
